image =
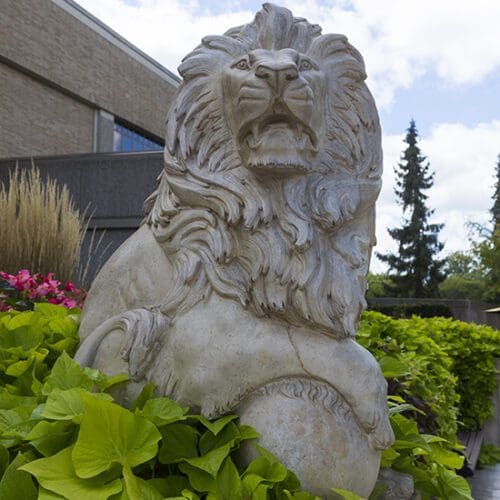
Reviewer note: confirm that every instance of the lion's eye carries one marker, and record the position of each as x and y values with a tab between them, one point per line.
243	64
305	65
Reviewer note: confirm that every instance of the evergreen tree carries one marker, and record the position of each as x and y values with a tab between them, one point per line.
495	209
414	270
489	249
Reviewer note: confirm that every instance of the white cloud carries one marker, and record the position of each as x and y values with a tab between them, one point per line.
463	160
399	39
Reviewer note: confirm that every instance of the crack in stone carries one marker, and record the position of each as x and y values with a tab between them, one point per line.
368	427
295	348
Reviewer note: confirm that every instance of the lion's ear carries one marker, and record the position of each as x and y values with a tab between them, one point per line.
207	58
335	50
230	46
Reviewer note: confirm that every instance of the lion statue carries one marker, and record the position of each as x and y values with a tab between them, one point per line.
242	290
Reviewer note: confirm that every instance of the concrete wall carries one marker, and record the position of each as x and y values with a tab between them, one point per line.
112	187
470	311
61	46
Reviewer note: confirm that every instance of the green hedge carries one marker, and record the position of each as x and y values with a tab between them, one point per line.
473	349
444	367
417	368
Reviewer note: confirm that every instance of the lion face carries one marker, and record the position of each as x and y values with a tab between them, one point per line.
273	103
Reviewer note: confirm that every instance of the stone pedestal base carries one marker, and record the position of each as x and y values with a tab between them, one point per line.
312	430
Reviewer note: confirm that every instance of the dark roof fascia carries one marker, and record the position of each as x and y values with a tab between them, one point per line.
80	156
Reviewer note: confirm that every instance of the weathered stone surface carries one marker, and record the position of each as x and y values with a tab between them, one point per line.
242	291
398	486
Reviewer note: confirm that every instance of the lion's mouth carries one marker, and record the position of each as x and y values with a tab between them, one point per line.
304	137
279	143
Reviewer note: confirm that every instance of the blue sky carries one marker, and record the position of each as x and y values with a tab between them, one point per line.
435	62
430	100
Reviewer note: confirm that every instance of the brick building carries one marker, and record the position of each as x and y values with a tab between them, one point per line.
87	106
71	85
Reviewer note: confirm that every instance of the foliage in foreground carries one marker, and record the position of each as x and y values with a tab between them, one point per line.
62	436
431	460
59	424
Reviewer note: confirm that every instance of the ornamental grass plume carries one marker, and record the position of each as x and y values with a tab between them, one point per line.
40	228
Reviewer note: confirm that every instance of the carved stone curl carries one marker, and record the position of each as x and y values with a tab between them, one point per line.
243	288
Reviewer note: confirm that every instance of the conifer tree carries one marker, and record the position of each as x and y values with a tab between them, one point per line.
489	249
415	270
495	209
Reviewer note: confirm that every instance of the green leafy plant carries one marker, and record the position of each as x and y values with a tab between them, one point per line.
489	456
432	461
92	448
417	368
472	349
442	366
30	343
62	436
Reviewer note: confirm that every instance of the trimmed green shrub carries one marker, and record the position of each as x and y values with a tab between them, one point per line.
489	456
473	349
442	366
417	368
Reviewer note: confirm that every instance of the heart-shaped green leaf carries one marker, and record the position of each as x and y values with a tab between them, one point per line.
111	434
56	473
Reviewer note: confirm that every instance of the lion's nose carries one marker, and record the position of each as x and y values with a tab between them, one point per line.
277	75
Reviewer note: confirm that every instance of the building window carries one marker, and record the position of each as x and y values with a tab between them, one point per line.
126	139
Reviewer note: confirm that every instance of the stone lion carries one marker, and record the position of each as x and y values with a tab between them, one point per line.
243	288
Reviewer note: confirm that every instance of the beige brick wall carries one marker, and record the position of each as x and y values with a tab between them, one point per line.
38	120
43	38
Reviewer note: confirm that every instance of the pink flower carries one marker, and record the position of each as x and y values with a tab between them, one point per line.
69	303
11	279
42	288
24	280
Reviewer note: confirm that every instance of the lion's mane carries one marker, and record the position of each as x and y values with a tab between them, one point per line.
294	248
